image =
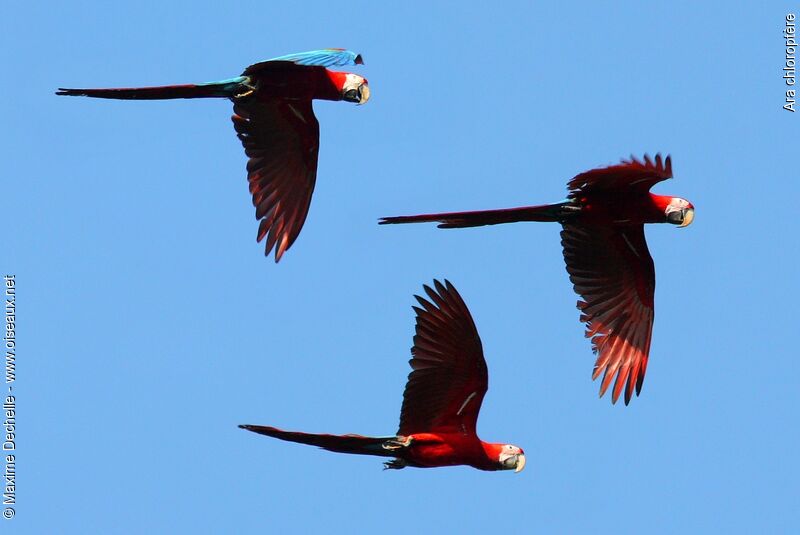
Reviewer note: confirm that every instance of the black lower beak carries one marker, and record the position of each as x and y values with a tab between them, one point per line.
676	217
352	95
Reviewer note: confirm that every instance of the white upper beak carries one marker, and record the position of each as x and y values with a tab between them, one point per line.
520	463
364	94
688	217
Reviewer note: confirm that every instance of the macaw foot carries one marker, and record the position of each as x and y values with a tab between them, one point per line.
395	464
398	443
244	90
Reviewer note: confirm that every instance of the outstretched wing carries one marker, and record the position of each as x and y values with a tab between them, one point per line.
630	174
611	269
327	57
449	378
281	139
339	443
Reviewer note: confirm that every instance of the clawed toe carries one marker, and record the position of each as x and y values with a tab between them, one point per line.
396	444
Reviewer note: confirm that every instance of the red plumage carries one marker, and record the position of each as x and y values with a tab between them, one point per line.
606	256
275	121
441	401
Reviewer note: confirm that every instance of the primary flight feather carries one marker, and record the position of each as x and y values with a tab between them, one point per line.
606	256
275	122
441	401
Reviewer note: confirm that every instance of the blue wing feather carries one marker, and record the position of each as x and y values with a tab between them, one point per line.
327	57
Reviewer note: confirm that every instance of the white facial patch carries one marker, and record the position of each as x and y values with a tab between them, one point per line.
511	458
676	204
352	81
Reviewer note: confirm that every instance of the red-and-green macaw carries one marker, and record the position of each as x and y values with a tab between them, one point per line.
275	122
441	402
606	255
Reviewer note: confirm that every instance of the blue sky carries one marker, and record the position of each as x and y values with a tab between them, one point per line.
150	324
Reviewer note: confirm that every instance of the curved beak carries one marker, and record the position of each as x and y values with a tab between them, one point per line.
682	218
360	95
688	217
352	95
520	463
364	94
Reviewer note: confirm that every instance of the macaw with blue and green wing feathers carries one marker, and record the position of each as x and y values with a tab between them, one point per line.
275	122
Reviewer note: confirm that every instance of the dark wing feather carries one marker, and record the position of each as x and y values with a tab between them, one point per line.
339	443
281	138
449	378
630	174
611	269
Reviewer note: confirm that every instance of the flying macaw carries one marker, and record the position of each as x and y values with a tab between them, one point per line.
275	122
441	401
606	255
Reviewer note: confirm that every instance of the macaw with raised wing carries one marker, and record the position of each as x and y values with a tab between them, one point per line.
441	401
275	122
606	255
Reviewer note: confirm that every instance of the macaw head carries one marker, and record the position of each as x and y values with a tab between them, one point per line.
355	89
679	212
511	458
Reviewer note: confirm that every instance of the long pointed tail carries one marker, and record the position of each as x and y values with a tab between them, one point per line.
356	444
545	212
222	89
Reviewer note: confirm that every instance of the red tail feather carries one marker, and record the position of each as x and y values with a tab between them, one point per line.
546	212
339	443
150	93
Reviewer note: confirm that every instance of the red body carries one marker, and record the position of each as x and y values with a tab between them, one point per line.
606	256
287	81
622	208
430	450
275	122
441	401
